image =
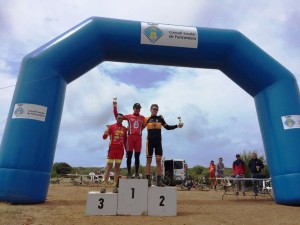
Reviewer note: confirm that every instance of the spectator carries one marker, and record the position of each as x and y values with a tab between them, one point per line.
255	165
239	169
212	175
220	170
92	176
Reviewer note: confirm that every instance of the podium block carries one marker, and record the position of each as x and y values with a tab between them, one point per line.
162	201
132	197
101	204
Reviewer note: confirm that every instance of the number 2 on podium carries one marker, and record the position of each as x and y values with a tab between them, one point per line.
162	200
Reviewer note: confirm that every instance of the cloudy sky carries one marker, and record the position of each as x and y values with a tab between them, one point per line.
220	118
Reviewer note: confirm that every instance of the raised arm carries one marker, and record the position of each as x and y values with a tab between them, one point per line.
115	108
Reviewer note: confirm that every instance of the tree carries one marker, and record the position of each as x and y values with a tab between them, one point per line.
195	171
62	168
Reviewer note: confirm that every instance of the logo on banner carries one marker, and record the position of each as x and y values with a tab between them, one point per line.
289	122
19	111
153	33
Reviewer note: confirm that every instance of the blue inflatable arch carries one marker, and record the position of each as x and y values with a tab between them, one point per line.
30	136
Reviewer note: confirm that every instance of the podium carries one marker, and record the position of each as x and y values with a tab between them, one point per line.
132	197
162	201
135	198
101	204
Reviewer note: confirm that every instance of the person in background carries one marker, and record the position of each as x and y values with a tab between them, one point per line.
134	141
118	137
212	175
255	165
220	170
239	169
154	123
92	176
188	181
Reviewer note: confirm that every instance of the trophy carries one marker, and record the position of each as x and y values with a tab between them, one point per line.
180	124
115	100
179	118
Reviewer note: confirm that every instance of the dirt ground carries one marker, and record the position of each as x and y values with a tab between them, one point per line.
66	205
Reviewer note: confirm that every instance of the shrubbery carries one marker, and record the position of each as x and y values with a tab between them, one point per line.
61	168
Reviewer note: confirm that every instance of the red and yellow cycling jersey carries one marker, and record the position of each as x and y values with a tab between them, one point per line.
118	136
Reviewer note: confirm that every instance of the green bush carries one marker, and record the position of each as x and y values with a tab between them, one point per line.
196	171
61	168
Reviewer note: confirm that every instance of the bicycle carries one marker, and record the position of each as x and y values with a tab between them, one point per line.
185	184
76	181
202	184
55	180
165	179
79	181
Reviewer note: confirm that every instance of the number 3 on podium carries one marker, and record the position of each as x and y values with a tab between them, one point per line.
101	203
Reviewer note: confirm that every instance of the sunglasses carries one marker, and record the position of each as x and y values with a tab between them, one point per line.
155	109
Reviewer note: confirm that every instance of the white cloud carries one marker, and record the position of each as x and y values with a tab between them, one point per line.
211	119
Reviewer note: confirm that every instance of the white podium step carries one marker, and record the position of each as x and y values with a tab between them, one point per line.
101	204
132	197
162	201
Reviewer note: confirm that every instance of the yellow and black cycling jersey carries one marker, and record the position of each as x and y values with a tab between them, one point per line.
154	124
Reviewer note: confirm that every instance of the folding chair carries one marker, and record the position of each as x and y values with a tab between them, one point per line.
227	186
267	187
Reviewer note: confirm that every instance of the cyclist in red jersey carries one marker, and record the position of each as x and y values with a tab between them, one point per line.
118	137
134	141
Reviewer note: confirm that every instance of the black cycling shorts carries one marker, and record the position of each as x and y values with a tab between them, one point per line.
153	147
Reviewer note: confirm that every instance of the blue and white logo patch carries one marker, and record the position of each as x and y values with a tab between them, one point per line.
153	33
291	121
